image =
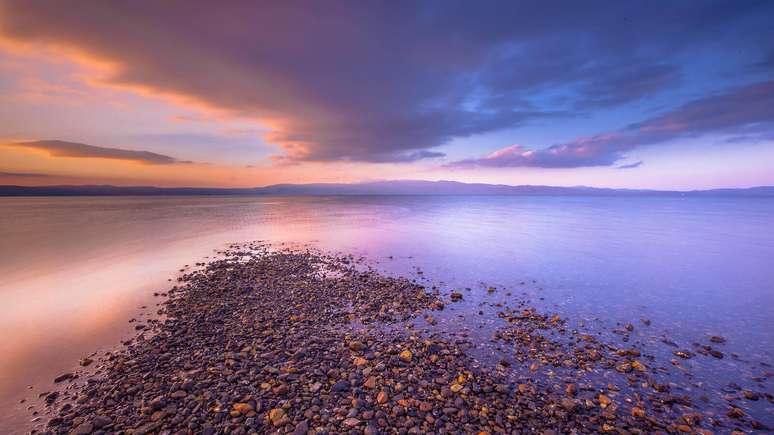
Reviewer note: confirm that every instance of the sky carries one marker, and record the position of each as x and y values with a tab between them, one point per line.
640	94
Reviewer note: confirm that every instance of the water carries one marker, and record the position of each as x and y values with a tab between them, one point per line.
75	270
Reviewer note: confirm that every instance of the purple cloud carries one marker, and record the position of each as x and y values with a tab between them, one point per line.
58	148
388	81
23	174
745	111
631	165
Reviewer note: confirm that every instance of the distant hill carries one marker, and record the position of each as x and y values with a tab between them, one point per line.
373	188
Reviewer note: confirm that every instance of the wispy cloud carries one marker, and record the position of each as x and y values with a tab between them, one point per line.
746	111
631	165
58	148
23	174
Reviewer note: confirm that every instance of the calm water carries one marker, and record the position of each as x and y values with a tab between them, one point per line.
75	270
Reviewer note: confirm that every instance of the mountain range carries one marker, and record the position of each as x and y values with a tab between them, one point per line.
404	187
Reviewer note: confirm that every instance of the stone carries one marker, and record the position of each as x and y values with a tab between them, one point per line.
179	394
638	412
64	377
277	416
339	386
351	422
83	429
101	421
243	408
301	428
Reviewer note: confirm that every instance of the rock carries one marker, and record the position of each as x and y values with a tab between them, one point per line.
568	404
243	408
351	422
356	345
750	395
51	397
683	354
301	428
717	339
158	403
179	394
382	397
64	377
735	412
456	388
456	296
277	416
339	386
370	383
604	401
101	421
406	356
716	353
638	412
437	305
370	429
624	367
83	429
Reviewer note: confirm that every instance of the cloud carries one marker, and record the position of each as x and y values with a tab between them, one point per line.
364	81
746	111
22	174
58	148
631	165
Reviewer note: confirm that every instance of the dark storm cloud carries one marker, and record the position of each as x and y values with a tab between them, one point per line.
745	111
58	148
387	81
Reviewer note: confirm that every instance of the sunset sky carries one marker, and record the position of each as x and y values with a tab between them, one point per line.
674	95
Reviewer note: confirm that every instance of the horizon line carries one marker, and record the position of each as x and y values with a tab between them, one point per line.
246	190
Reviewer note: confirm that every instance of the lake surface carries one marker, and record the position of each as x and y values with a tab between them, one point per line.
76	269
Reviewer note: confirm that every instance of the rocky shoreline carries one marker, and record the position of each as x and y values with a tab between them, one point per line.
298	341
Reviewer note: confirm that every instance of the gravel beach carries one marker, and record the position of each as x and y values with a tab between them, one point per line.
297	341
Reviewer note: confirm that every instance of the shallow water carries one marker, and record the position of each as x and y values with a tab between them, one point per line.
75	270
